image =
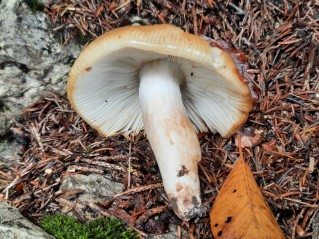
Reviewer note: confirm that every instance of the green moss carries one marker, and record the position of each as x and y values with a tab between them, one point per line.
35	5
88	150
66	227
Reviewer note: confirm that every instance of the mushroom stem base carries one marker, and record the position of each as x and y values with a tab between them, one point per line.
171	135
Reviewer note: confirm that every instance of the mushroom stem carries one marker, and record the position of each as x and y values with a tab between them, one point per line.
171	135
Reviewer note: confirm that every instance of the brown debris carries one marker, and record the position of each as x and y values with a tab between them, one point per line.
248	137
281	43
139	189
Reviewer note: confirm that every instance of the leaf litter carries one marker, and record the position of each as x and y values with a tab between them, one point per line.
240	210
280	39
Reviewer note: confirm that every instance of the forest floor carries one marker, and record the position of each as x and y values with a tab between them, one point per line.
281	137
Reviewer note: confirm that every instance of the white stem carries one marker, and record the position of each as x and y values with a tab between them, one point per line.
171	135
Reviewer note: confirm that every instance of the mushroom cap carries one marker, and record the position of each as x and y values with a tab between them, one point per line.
104	80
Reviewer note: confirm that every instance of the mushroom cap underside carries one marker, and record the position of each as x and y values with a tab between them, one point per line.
103	82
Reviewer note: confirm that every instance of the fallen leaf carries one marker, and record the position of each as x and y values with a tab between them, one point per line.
249	138
271	146
240	210
242	65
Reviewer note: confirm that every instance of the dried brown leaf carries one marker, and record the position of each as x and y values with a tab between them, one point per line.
240	210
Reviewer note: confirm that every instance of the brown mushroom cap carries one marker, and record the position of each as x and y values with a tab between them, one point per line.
103	82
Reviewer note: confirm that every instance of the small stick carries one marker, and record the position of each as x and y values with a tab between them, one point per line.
139	189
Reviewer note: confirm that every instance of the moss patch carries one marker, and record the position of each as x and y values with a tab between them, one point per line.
66	227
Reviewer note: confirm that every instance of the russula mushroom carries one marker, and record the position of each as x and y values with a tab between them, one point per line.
169	82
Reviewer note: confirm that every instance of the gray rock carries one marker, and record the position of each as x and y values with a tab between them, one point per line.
9	152
32	60
96	187
14	226
173	234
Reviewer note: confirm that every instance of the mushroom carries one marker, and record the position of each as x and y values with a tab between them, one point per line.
168	82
